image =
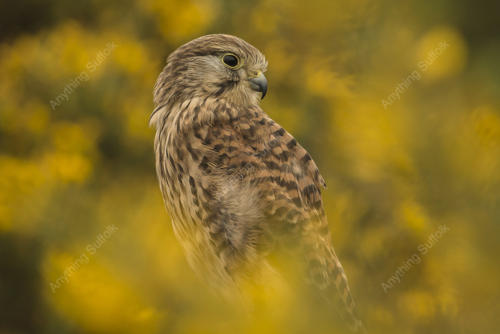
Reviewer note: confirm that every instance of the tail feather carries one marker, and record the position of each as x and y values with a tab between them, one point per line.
347	305
326	272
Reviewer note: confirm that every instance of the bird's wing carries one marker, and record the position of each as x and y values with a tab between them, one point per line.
271	161
251	159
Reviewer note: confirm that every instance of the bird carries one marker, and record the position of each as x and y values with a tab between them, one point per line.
233	180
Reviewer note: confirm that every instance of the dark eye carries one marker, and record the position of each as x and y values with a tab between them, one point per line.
230	60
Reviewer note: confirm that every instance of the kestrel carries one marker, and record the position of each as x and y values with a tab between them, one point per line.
233	180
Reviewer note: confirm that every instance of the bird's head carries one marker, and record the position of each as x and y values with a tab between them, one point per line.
219	66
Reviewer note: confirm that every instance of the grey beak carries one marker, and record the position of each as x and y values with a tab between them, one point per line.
259	84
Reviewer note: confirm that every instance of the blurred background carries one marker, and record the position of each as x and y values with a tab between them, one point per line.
397	101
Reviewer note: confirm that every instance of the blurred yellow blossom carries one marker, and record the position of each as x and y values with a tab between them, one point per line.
441	52
76	156
98	299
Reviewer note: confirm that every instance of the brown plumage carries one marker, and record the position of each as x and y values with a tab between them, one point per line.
232	179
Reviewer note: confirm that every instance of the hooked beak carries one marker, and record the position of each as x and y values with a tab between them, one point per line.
259	84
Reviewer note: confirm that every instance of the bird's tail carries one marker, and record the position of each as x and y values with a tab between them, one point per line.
327	273
340	285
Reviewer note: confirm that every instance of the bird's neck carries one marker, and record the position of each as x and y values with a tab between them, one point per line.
198	112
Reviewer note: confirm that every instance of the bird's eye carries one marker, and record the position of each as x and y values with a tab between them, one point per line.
230	60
